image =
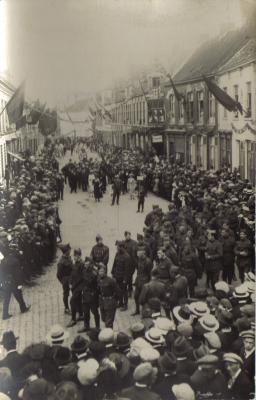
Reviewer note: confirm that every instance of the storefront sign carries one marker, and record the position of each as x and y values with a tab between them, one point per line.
157	139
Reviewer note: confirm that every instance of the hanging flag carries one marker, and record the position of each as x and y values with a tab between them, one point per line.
93	113
178	95
15	105
223	98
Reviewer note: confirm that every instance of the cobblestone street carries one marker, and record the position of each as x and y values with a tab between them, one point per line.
82	219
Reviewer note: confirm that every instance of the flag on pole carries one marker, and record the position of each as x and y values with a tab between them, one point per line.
178	95
223	98
15	105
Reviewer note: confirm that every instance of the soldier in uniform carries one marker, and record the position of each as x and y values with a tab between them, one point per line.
90	294
100	252
11	280
64	269
131	246
121	272
243	254
143	276
76	285
109	293
213	258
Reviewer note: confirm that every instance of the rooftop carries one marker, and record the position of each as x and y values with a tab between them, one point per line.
212	55
245	55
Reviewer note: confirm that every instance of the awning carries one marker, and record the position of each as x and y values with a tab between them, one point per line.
15	156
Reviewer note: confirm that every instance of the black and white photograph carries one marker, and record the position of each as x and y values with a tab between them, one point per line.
127	199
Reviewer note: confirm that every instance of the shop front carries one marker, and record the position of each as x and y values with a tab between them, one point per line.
176	145
157	141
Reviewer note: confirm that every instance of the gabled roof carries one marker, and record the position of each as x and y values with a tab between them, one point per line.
212	55
245	55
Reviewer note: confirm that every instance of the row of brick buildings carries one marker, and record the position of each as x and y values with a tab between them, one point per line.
14	141
197	129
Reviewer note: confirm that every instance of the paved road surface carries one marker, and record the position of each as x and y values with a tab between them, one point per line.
82	219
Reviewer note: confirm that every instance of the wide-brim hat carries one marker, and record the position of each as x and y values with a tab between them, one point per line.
209	323
62	355
167	362
199	308
154	335
181	347
182	314
241	293
122	340
57	335
164	325
121	362
79	345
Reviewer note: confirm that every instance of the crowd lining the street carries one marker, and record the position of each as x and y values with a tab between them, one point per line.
196	338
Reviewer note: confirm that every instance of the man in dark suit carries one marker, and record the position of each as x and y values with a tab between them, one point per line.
13	360
239	384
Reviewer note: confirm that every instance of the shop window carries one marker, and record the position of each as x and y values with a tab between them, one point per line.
200	106
236	97
248	100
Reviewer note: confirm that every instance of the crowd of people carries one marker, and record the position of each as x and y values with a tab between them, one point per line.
30	223
191	274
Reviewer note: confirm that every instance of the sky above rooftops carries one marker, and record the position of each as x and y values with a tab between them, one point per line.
66	46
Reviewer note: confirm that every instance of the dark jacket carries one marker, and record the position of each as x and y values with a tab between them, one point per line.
139	393
100	253
215	252
64	268
122	266
241	388
10	271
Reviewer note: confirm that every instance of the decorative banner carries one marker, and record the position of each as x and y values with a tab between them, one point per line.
242	130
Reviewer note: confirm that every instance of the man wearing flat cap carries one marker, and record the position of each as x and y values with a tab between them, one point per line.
239	384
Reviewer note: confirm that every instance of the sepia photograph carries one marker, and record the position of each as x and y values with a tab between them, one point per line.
127	199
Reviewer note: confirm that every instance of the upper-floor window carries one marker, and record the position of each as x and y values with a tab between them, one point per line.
181	109
200	106
172	106
236	99
248	99
224	109
211	106
143	113
155	82
190	107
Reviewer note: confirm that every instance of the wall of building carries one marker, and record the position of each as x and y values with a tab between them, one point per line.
241	82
